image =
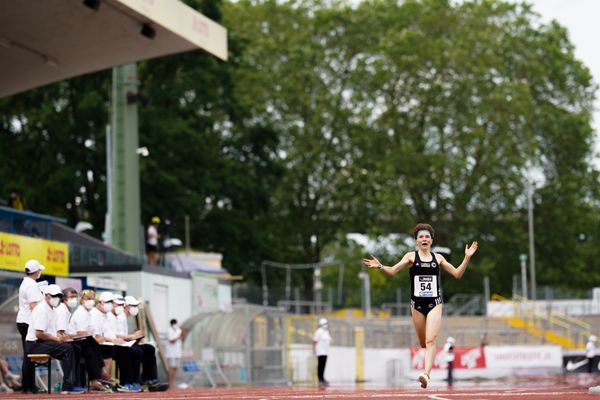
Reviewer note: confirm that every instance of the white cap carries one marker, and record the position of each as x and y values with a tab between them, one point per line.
53	290
118	299
131	301
592	338
322	321
32	266
451	340
106	297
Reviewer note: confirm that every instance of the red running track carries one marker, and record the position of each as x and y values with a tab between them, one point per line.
544	390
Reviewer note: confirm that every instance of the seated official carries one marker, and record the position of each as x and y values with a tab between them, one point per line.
86	348
149	369
42	338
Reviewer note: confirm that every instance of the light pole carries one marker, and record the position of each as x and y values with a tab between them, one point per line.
531	238
523	258
366	292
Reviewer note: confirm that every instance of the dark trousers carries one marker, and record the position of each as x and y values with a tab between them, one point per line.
590	364
128	362
88	350
107	351
62	351
27	368
322	360
149	368
450	371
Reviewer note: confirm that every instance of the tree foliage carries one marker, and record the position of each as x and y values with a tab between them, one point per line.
330	118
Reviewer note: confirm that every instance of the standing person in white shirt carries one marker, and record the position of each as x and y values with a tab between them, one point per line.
175	338
590	352
86	348
449	352
321	341
152	237
42	338
29	296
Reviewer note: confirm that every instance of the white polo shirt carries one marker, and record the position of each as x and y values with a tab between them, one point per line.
449	355
122	325
110	326
97	321
152	234
81	321
173	350
63	316
43	318
29	292
590	349
323	338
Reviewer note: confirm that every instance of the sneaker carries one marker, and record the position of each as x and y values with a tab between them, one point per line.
5	389
98	387
159	387
74	390
424	380
132	388
121	389
108	382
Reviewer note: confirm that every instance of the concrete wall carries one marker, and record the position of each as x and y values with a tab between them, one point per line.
168	296
394	366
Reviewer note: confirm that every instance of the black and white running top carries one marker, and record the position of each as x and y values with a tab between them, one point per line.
425	279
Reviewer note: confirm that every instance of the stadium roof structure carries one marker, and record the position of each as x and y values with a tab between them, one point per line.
42	42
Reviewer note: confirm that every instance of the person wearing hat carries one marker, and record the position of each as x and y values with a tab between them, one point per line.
81	325
590	352
449	352
127	358
152	237
103	323
99	328
321	341
85	348
42	338
29	296
147	352
175	338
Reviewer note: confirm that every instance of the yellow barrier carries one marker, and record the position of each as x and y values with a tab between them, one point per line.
359	344
527	318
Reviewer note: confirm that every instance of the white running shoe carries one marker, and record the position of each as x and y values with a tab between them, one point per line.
424	380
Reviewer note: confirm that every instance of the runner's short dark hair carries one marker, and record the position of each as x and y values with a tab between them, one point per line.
423	227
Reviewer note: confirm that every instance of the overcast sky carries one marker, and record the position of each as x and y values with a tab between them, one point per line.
582	20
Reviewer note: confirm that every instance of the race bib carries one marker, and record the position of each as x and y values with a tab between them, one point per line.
425	286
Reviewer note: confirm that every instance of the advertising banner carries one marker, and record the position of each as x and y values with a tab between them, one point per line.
16	250
524	356
470	357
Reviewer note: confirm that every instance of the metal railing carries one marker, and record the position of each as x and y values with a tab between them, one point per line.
92	256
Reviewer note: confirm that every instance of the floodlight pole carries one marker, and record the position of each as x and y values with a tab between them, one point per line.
124	177
531	238
523	258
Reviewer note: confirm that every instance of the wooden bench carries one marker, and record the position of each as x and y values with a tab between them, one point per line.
43	360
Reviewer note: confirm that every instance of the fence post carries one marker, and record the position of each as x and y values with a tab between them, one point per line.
359	345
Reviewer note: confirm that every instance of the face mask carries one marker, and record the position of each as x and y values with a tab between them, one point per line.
89	304
72	303
54	302
134	311
107	307
119	310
